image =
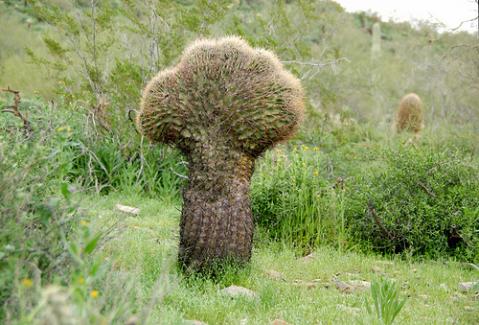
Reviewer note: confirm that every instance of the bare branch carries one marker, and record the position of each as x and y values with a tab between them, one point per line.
14	109
318	64
463	22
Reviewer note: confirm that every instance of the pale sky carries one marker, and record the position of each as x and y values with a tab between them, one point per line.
448	12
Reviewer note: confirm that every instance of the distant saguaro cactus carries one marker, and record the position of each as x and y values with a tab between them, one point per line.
376	40
222	105
409	115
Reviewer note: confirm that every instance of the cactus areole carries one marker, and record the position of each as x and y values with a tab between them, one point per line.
222	105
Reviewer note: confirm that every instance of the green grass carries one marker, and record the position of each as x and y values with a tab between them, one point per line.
142	249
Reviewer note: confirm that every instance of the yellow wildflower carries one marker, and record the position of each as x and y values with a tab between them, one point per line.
27	282
83	222
94	294
316	172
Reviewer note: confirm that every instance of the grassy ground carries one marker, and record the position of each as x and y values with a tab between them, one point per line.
143	249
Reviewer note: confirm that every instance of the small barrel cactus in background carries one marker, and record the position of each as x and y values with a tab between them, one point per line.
410	114
222	105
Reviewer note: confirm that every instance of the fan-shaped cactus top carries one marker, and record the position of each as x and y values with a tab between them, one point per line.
222	89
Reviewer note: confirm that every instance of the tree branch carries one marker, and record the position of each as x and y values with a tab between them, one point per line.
14	109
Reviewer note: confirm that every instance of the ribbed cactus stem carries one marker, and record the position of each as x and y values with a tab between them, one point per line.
223	105
376	40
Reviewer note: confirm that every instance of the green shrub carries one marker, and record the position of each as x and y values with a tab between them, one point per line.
35	223
423	200
388	198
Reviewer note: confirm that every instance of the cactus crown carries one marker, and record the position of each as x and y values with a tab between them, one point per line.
222	89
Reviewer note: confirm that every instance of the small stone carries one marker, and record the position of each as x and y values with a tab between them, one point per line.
359	284
133	320
275	275
127	209
279	322
306	284
308	257
194	322
468	286
343	287
377	269
237	291
351	286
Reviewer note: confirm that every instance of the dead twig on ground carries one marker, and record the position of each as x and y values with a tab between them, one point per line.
14	109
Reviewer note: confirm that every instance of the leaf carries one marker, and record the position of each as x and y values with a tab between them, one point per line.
65	191
92	244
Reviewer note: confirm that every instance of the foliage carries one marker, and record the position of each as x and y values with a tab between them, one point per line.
389	198
37	217
386	301
422	200
89	61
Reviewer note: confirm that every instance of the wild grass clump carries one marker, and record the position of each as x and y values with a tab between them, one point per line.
422	200
386	301
294	200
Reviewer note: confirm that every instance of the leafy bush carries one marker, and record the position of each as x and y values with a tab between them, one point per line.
389	198
423	200
35	224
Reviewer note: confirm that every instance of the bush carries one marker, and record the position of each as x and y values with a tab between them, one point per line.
422	200
35	224
388	198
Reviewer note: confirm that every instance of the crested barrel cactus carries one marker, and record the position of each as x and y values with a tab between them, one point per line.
222	105
410	114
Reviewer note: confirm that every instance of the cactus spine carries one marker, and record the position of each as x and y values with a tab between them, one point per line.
222	105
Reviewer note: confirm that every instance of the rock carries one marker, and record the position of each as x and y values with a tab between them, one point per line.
351	286
237	291
377	269
341	286
193	322
275	275
308	257
359	284
279	322
306	284
468	286
133	320
127	209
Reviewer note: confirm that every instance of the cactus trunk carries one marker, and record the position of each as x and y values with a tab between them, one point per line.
216	220
222	105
